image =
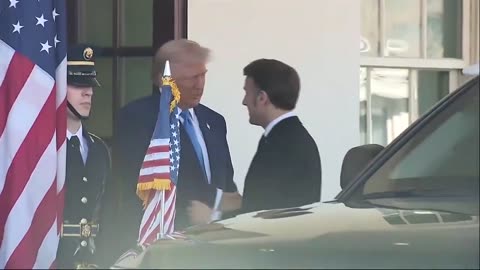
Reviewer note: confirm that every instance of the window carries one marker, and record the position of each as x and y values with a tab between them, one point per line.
412	52
392	98
442	157
426	29
126	34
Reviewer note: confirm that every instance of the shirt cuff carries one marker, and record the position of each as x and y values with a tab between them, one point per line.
216	215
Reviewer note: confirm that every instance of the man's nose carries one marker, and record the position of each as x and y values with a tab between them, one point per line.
88	91
199	81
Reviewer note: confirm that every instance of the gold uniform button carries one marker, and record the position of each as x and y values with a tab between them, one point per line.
83	243
84	200
85	179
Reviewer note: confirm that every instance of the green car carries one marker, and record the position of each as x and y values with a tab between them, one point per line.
416	205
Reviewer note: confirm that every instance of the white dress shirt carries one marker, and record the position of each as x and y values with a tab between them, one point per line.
83	143
276	121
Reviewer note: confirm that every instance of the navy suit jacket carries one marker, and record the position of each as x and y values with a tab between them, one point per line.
132	135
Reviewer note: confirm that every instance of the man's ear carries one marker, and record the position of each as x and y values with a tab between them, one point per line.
263	97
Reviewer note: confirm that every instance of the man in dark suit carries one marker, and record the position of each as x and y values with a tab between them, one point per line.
87	168
286	170
205	182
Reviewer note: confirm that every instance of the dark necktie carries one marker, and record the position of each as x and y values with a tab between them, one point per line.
75	149
188	125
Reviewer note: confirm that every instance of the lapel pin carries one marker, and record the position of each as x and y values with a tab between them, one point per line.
208	126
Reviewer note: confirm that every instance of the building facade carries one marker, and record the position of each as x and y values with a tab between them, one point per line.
411	55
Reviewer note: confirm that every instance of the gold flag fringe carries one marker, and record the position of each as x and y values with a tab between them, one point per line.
143	189
175	91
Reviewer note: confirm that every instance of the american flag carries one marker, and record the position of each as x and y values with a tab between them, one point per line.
32	130
160	165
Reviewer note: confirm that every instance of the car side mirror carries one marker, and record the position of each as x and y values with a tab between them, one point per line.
357	159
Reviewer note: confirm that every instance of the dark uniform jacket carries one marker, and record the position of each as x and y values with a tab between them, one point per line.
285	171
131	139
84	189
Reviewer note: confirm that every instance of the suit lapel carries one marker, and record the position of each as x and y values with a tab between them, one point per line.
207	133
203	123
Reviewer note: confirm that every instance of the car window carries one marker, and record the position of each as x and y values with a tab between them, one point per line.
442	158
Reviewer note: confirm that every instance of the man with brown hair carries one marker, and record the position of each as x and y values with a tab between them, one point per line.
286	169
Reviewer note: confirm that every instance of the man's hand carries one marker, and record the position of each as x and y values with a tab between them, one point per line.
199	213
231	201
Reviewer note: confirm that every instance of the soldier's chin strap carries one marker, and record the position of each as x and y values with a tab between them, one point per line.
75	112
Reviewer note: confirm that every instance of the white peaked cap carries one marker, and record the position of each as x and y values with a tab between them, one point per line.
167	72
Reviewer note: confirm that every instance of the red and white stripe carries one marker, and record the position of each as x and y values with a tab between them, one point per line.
32	163
150	225
156	165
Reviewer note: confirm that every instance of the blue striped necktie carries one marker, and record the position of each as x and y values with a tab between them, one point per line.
188	125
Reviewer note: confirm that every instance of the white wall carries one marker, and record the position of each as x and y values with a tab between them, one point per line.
320	38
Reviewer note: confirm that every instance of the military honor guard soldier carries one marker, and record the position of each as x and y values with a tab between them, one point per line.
88	165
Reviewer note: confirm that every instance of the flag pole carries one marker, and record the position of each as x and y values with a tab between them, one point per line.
161	234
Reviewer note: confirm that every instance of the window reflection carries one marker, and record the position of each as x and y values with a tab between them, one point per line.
363	105
389	95
441	160
134	75
402	19
432	86
443	28
405	217
369	28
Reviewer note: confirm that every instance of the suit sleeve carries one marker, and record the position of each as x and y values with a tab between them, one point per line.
230	185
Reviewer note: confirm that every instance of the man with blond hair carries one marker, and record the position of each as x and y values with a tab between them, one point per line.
205	183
